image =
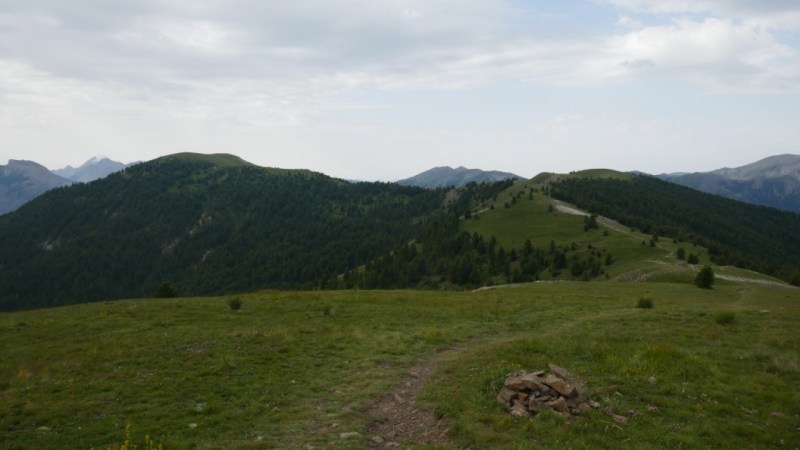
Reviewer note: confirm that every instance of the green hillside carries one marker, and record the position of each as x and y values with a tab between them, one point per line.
524	213
755	237
206	224
303	370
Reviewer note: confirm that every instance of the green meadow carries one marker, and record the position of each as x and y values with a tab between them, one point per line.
702	368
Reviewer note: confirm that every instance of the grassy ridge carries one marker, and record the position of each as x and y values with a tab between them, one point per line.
530	218
293	369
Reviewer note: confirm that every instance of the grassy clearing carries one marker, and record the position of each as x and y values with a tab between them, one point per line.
289	370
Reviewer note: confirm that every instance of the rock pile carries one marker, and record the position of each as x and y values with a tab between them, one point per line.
526	394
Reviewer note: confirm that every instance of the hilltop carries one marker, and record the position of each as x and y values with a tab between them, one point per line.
458	177
204	224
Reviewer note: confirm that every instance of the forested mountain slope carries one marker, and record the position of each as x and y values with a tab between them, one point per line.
207	224
755	237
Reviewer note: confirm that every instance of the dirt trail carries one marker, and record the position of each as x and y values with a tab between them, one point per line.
396	418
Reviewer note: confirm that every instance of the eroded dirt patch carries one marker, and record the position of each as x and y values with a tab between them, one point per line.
396	418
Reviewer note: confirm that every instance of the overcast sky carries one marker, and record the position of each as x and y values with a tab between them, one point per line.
384	89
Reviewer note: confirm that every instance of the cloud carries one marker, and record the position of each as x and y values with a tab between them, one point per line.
784	14
719	54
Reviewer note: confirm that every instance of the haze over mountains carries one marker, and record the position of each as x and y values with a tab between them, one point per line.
22	181
91	170
773	181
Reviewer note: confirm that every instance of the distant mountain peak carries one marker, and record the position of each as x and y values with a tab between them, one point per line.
94	168
773	181
444	176
22	181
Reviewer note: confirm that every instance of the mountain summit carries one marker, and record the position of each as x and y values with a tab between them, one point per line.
461	176
773	181
21	181
91	170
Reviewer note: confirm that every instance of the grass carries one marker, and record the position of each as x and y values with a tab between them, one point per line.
281	373
530	218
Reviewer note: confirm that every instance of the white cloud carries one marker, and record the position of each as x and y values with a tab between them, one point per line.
151	77
720	54
766	13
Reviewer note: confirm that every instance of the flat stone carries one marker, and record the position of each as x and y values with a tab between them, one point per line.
532	382
559	385
519	410
522	396
378	440
536	406
558	404
349	435
515	383
506	395
560	372
620	419
653	380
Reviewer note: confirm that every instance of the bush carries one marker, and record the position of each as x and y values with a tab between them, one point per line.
693	259
725	318
235	303
645	303
705	278
165	290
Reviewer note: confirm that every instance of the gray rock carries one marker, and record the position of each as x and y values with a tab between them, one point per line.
349	435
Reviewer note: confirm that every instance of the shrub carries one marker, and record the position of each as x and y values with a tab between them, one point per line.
165	290
705	278
693	259
645	303
235	303
725	318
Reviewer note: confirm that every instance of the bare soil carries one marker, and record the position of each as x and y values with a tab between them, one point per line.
396	418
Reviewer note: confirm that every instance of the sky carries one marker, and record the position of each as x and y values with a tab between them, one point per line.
385	89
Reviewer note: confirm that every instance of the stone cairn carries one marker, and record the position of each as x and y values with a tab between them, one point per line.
526	394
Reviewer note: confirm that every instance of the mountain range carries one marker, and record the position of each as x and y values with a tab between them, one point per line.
460	176
22	181
773	181
216	224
